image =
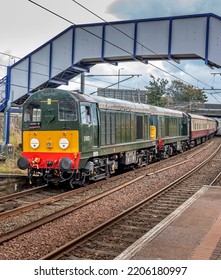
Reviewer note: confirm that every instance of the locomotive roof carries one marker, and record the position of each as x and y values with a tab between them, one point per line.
118	104
57	94
165	111
103	102
121	105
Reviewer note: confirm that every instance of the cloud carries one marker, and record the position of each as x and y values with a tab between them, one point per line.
131	9
4	62
29	26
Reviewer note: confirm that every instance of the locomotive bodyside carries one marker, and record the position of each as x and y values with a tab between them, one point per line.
77	138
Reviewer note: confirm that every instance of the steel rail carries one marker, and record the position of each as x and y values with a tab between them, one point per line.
51	217
21	194
7	236
66	248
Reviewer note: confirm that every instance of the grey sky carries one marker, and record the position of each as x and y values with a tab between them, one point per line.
24	27
160	8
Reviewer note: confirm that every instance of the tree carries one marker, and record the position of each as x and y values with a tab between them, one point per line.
159	92
156	91
182	93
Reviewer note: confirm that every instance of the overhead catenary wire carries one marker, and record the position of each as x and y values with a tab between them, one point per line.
3	65
124	33
112	85
41	74
50	11
150	51
107	82
161	57
34	62
71	22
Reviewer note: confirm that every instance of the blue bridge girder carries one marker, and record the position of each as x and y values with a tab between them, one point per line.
80	47
2	93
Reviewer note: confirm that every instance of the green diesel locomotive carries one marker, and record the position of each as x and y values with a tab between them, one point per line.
78	138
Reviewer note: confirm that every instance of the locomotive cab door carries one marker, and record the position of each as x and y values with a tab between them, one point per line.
184	125
95	125
89	126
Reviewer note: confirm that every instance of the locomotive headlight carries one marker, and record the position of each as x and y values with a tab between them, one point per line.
63	143
34	143
49	145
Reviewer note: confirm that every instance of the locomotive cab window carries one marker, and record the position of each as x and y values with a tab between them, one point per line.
32	113
86	114
67	111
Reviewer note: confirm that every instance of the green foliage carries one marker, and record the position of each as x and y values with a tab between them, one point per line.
181	93
159	91
156	91
10	164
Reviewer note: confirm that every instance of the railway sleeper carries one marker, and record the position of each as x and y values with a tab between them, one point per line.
94	244
150	215
141	220
160	216
136	220
113	239
127	233
182	194
138	228
158	205
110	244
174	201
129	227
94	252
177	196
156	213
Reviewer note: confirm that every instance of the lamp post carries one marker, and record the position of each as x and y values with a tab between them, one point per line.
119	77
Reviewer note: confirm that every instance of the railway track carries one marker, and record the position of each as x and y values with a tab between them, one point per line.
13	179
10	183
21	194
19	202
54	199
88	197
26	200
109	240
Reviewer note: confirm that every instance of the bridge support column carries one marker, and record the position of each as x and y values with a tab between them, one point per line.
6	128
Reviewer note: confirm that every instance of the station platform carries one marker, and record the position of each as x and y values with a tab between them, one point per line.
195	233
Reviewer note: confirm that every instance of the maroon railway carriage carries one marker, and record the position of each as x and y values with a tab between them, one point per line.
201	128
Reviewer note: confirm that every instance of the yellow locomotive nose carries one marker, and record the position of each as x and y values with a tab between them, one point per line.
51	141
